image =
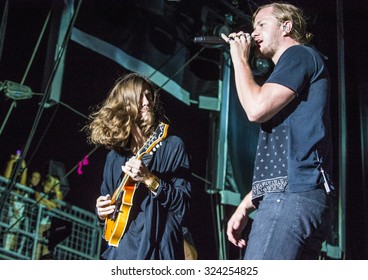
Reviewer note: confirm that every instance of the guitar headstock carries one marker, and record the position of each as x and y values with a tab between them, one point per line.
159	134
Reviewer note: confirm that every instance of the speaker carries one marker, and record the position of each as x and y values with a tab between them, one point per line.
59	230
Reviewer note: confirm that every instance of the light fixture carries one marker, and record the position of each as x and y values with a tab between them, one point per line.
261	66
16	91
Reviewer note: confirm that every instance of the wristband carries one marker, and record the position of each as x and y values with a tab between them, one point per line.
153	183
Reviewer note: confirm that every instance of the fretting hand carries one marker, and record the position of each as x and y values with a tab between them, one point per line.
104	207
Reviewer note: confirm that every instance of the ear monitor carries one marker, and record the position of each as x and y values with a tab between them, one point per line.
284	27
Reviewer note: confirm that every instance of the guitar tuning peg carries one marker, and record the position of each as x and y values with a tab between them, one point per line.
160	143
154	149
151	153
157	146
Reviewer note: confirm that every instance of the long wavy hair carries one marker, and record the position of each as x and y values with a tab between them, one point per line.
286	11
110	124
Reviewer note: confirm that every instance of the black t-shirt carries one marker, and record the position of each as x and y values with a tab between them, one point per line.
297	140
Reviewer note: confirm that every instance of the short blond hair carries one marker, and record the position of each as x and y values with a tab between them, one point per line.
286	11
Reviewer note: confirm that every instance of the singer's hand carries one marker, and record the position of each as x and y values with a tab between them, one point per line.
226	38
240	44
237	37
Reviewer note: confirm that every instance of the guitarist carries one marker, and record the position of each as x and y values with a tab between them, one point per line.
123	123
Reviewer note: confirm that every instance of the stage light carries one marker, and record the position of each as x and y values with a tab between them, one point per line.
261	66
16	91
221	29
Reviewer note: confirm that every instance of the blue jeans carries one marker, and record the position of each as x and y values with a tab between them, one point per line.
289	226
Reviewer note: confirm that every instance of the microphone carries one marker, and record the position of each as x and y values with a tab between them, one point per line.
209	40
214	40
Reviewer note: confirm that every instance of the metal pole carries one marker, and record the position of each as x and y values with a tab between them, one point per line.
222	149
342	124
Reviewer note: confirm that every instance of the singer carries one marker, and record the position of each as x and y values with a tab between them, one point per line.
289	192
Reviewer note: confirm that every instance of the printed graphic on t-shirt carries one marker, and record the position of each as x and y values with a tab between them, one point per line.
270	169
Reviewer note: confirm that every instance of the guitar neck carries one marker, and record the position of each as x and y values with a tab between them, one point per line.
159	134
119	191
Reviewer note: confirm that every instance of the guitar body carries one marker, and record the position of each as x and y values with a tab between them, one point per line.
115	227
117	222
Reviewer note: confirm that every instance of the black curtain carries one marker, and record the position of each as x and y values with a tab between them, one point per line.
357	122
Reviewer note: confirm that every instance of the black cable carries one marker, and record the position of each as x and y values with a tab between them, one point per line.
42	136
3	27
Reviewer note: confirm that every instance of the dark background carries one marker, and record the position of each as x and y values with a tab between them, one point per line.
89	76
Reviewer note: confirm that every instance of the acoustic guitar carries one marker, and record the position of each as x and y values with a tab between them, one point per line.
116	223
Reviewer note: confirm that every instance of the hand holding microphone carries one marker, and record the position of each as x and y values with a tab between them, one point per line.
240	44
234	36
